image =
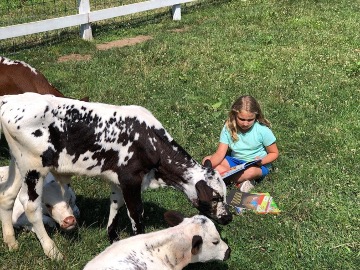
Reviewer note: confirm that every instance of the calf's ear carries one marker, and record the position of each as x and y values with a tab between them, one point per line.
204	192
196	244
173	218
207	163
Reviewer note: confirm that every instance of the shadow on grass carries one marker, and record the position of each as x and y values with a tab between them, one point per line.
4	149
215	265
95	212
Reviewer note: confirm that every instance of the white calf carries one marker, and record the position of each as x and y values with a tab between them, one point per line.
192	240
56	208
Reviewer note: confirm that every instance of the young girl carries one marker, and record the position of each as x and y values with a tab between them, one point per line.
247	134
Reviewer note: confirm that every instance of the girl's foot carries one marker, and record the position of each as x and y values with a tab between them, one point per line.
246	186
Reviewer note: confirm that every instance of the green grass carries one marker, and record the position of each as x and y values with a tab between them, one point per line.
300	59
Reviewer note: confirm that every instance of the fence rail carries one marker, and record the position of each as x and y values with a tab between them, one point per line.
86	17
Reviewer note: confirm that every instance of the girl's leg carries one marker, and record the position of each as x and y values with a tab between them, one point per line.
252	177
251	173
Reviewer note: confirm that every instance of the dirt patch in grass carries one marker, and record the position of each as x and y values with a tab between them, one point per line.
105	46
113	44
74	57
122	42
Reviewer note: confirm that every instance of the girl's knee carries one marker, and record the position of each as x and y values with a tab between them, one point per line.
252	173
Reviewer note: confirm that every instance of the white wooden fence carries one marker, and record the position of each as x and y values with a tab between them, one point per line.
86	17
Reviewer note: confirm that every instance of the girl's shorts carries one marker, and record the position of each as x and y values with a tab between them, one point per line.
265	169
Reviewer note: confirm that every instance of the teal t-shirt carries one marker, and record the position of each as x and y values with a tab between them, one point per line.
250	144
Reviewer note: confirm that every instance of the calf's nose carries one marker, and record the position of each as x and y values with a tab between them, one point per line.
224	220
68	223
227	254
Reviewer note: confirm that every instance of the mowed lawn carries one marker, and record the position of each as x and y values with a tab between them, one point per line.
300	59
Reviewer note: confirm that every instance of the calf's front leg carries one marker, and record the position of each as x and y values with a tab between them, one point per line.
134	205
116	202
30	197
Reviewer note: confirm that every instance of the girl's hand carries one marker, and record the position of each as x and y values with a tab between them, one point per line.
272	155
259	159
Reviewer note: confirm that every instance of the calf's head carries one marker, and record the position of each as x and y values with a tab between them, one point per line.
59	204
207	244
211	196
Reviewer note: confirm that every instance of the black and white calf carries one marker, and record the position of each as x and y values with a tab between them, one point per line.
191	240
126	145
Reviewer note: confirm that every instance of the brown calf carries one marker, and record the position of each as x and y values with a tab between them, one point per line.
18	77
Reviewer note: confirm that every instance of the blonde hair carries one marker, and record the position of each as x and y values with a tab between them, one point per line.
244	103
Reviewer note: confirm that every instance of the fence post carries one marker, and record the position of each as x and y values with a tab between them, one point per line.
176	11
85	29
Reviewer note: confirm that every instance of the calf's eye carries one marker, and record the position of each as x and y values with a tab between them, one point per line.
216	242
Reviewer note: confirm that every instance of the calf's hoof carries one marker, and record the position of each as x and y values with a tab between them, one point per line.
52	251
55	255
12	244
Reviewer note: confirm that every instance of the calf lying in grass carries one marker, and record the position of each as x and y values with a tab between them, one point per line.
58	206
190	240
